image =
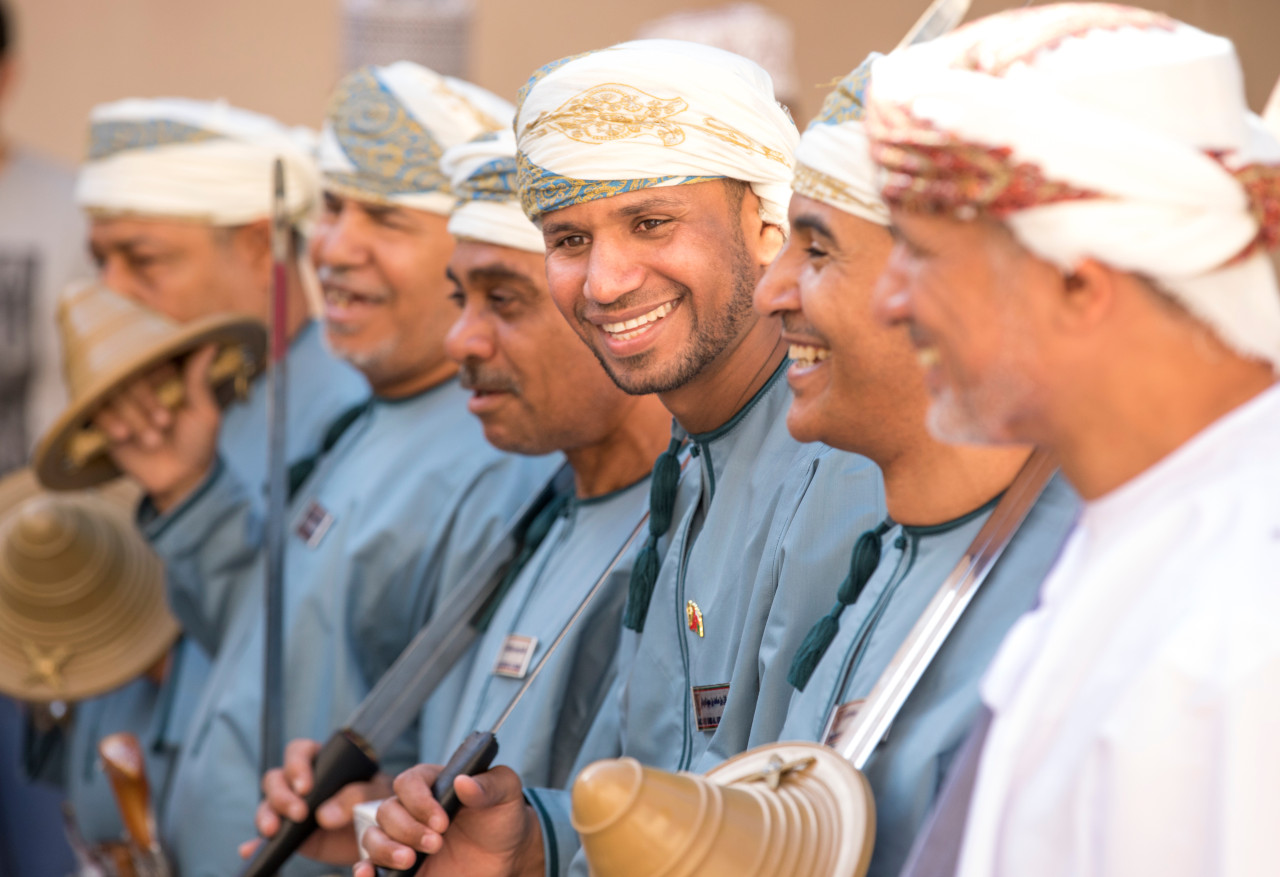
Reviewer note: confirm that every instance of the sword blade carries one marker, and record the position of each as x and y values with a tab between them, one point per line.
272	719
941	16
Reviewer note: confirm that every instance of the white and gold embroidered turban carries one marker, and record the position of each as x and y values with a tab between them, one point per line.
388	127
195	160
651	113
833	160
483	175
1098	131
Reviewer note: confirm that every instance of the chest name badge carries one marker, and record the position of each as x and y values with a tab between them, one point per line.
839	721
708	705
314	524
515	656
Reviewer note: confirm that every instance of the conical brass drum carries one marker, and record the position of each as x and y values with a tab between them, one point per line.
781	809
109	342
82	604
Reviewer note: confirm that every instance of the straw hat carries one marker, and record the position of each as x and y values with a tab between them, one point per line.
109	342
82	607
785	808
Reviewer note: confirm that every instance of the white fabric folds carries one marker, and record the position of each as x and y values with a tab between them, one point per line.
193	160
833	160
388	127
483	175
651	113
1095	131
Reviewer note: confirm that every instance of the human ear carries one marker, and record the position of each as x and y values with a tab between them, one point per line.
1088	293
770	244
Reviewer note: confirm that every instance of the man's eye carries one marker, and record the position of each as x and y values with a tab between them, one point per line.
572	241
650	224
458	298
813	251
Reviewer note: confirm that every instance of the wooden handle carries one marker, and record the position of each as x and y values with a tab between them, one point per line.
122	759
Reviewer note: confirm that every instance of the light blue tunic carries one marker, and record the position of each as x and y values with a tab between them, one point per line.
541	738
907	770
737	549
391	518
320	387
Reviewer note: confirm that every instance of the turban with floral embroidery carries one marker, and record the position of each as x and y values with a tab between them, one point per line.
833	160
1095	131
193	160
651	113
483	175
388	127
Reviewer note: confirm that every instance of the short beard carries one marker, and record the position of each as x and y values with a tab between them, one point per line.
711	337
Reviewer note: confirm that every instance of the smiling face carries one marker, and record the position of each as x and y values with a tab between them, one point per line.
970	297
184	270
536	387
386	295
658	282
852	380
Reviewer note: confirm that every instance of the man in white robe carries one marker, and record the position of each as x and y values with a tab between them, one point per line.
1081	198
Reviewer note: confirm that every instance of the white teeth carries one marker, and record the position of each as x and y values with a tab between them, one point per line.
631	328
804	356
928	357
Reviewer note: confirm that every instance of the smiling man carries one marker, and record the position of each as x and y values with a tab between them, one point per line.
1081	259
856	385
661	201
401	498
536	390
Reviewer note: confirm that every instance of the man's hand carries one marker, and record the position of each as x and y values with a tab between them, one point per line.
495	834
168	452
335	841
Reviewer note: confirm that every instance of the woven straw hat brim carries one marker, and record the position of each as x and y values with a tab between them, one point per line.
51	460
59	638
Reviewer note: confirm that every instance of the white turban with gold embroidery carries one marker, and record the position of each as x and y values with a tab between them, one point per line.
833	160
651	113
388	127
194	160
483	175
1095	131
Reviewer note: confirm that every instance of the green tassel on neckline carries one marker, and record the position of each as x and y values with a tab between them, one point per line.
862	565
662	501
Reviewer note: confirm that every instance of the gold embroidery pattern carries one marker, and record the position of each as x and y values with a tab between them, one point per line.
847	102
109	138
542	191
393	153
614	112
813	183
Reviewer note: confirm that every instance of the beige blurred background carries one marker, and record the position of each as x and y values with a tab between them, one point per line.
282	56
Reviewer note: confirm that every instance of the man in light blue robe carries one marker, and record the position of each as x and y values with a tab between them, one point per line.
202	232
401	498
537	389
857	387
657	233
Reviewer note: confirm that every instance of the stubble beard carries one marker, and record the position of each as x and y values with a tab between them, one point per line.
708	338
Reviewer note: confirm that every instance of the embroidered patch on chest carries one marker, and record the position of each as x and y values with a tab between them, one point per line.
515	656
708	705
314	524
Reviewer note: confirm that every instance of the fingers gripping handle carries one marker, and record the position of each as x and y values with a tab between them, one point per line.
474	756
342	760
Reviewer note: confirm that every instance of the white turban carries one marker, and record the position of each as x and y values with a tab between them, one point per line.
833	160
651	113
387	128
196	160
1095	131
483	175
